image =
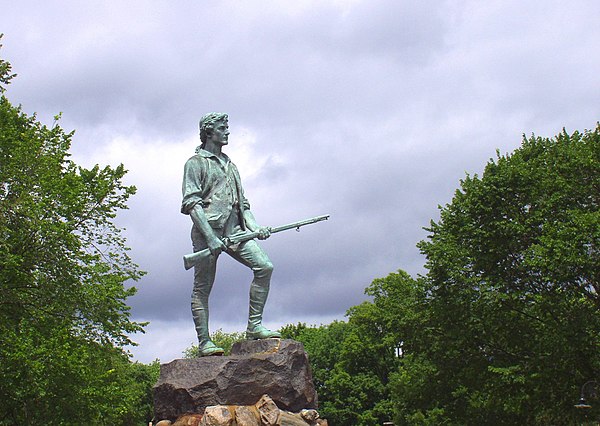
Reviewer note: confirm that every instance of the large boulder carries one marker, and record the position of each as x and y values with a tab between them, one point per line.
277	367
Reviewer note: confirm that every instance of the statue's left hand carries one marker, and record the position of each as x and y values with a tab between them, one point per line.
264	232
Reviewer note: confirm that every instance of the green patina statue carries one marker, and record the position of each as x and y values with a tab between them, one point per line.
214	199
222	221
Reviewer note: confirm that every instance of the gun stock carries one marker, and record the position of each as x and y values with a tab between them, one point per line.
189	260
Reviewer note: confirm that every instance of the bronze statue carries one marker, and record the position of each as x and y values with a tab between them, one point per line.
222	221
214	199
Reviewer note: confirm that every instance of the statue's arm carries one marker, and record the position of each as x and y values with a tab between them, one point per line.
192	204
249	220
263	231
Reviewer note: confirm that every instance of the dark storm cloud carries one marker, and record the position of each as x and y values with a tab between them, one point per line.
370	111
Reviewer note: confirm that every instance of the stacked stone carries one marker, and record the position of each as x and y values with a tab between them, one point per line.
262	382
264	413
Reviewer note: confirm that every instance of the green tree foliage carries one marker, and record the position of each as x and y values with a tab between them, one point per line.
221	338
505	326
5	72
350	393
138	379
63	269
512	316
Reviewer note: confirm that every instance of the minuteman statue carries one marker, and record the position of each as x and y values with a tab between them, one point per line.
214	199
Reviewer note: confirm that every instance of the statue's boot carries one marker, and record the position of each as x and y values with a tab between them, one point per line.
258	298
209	348
206	347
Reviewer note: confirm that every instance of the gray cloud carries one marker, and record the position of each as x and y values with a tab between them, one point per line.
369	111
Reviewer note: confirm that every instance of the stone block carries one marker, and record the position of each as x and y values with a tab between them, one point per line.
276	367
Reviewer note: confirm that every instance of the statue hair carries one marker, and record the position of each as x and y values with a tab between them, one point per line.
207	124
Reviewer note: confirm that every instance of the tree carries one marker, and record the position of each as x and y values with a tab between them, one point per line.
505	325
512	314
345	373
63	268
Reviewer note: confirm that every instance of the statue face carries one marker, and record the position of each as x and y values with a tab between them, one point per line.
220	133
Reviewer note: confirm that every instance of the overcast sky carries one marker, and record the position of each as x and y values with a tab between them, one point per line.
370	111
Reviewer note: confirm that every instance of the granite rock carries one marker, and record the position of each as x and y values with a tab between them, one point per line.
263	413
247	416
218	415
277	367
187	420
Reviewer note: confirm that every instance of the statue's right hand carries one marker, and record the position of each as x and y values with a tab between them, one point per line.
215	245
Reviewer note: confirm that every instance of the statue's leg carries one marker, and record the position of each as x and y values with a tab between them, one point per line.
204	277
253	256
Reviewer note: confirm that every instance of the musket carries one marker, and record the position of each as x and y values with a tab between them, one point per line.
192	259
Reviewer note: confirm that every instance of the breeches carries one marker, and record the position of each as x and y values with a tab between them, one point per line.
248	253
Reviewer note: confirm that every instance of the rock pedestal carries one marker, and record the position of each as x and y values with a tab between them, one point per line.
276	367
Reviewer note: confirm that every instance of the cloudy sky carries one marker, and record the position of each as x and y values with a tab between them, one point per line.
367	110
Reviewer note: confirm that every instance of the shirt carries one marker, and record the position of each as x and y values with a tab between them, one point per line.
213	184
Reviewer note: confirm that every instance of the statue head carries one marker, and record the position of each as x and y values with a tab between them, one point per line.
207	124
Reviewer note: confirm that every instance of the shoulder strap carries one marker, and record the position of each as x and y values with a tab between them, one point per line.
238	188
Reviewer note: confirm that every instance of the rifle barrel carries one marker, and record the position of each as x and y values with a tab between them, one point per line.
299	223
